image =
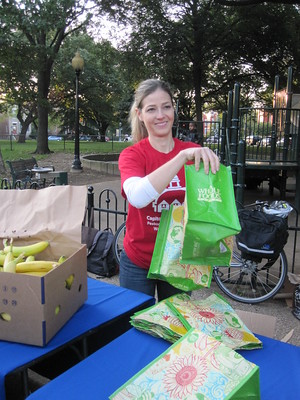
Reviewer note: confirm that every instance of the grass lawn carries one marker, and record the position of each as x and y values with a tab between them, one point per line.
11	150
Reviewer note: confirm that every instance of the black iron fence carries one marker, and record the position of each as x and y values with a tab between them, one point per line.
270	134
203	132
108	211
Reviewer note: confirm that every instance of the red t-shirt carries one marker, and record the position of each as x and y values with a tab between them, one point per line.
142	223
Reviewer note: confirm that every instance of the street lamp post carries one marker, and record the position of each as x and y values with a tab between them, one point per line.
77	64
120	131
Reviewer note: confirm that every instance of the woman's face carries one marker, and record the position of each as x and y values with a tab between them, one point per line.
157	113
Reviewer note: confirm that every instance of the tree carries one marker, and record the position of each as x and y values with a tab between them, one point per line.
101	86
203	48
38	29
189	44
17	85
240	3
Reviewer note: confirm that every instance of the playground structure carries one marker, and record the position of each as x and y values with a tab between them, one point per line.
262	144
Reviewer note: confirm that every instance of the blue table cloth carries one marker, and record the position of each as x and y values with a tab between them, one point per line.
105	302
99	375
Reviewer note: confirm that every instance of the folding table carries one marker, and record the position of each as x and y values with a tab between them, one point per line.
107	309
99	375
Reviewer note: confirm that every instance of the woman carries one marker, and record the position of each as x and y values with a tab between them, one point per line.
152	178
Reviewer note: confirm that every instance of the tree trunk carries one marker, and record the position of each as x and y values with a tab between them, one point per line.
42	109
198	104
22	137
24	128
24	123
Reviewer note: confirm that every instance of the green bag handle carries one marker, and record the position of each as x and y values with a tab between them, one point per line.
178	314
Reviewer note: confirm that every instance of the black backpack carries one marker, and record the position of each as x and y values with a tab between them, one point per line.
100	258
262	235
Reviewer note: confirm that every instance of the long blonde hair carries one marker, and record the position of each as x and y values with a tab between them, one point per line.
138	129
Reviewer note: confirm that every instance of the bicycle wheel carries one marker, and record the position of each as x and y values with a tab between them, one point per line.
118	241
251	281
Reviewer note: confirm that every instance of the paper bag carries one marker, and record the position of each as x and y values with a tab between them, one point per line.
210	216
54	214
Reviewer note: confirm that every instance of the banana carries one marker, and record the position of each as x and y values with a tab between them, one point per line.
11	266
2	258
62	259
1	269
29	250
9	256
36	273
69	281
5	316
36	266
30	258
57	310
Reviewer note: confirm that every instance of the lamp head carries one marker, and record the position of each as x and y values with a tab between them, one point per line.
77	62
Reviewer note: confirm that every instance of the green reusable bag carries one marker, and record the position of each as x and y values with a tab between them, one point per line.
165	263
210	217
195	367
173	317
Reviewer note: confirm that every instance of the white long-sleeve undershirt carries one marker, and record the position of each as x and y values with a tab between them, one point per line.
139	191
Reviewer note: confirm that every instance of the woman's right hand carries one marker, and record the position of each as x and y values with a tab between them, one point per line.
208	157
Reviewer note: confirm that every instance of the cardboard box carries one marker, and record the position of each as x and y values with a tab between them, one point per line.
38	307
258	323
262	324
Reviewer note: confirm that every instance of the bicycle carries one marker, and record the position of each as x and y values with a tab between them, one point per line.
118	241
247	280
254	280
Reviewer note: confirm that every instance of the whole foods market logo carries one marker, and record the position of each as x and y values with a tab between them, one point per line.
209	194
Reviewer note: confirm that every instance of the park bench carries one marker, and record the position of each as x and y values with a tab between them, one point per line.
22	174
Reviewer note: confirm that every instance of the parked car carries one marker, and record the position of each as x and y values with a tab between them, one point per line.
85	138
265	142
127	138
280	142
99	138
212	139
55	138
253	140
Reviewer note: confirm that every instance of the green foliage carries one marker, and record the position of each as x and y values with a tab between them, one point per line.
203	48
31	38
101	87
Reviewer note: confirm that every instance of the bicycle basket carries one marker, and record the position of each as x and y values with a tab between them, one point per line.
262	235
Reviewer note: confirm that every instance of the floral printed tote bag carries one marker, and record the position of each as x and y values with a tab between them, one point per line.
165	264
173	317
197	367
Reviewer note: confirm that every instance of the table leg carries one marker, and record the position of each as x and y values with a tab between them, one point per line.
25	382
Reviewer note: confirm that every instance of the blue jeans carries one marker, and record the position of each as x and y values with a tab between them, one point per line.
135	278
